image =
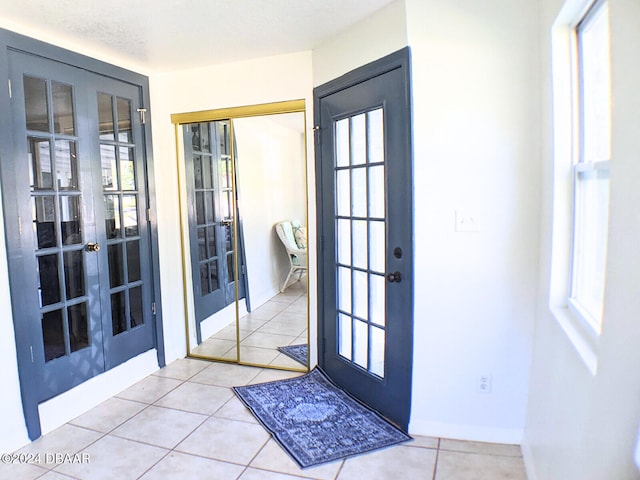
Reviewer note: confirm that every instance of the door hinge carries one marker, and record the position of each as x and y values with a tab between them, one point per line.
31	351
148	214
153	308
10	92
20	227
142	112
244	269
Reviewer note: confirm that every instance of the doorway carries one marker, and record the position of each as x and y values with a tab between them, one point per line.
365	232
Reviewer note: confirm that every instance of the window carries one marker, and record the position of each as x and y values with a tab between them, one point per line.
592	159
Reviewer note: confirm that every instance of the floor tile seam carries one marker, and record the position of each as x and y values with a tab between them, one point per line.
435	464
153	466
184	410
157	374
184	452
59	473
288	474
146	406
487	454
102	435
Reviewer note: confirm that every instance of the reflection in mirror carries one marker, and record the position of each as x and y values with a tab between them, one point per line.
273	205
246	206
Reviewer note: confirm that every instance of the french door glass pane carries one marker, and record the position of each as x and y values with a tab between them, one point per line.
44	220
112	216
344	289
358	140
41	169
375	137
344	342
66	165
78	324
70	221
343	197
135	306
74	273
36	104
109	169
343	232
118	313
377	300
53	335
49	275
127	170
130	215
360	243
360	343
342	143
62	100
116	272
133	261
359	192
124	120
105	117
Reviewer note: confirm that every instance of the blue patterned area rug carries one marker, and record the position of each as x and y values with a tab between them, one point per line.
300	353
315	421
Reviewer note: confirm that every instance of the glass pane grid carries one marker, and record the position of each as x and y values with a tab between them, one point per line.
360	241
56	203
122	211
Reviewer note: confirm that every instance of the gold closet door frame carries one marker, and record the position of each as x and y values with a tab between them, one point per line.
229	113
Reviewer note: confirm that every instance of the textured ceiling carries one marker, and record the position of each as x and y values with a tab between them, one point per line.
174	34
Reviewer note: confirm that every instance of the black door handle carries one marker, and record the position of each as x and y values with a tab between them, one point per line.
394	277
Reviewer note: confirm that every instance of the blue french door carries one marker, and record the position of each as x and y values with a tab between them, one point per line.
77	226
364	168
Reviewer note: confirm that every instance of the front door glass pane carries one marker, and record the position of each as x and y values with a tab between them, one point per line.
361	240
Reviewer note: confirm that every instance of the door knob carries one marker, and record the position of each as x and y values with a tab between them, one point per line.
93	247
394	277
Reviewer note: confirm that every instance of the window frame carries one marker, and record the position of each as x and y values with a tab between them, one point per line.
580	167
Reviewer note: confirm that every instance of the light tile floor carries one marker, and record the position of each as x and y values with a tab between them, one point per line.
184	422
278	322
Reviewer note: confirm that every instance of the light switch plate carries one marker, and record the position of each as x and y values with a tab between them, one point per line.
467	221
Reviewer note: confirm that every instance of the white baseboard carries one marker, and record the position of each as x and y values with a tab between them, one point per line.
509	436
527	456
68	405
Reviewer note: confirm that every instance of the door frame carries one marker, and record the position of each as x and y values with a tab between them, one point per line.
23	44
394	61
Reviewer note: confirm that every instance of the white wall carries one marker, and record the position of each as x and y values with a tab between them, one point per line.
580	425
476	148
271	79
382	33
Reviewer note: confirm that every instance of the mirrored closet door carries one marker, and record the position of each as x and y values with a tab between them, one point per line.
244	213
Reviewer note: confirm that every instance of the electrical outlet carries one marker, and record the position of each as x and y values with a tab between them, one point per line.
484	383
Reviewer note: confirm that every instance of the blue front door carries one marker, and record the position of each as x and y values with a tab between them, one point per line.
364	165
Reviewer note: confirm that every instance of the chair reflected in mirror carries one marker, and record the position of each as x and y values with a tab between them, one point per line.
294	239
